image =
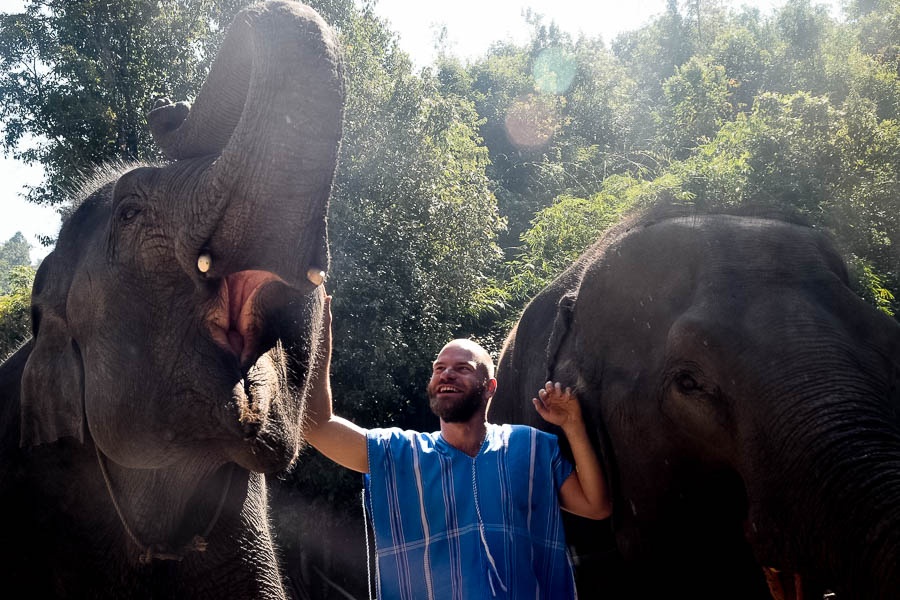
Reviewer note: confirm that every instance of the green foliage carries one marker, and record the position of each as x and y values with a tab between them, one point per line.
742	52
557	115
653	52
15	309
14	252
877	23
698	104
872	286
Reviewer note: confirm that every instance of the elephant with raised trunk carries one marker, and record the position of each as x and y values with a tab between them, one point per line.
746	403
174	330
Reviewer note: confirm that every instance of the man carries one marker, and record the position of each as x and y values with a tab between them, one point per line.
471	511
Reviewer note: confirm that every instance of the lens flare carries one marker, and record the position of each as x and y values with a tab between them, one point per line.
532	120
553	71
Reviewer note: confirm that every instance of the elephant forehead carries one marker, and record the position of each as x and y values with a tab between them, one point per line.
758	248
689	254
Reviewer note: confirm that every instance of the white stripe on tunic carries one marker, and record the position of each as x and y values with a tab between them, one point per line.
424	515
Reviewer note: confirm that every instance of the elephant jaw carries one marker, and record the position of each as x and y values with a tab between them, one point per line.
233	325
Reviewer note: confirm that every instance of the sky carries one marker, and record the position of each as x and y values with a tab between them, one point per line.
472	26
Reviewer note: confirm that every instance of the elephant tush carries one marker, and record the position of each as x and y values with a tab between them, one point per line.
175	327
745	402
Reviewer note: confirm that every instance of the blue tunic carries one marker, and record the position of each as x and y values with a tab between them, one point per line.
449	526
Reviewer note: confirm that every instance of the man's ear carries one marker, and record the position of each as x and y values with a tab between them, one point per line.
491	387
52	404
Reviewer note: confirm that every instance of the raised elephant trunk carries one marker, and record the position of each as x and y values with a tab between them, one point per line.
269	120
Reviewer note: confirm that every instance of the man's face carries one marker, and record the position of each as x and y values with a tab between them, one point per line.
456	390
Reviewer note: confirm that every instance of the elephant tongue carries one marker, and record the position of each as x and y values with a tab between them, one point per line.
232	322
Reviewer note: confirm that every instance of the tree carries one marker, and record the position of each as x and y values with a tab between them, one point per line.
877	23
500	81
558	118
78	77
802	34
742	51
652	52
15	310
698	104
14	252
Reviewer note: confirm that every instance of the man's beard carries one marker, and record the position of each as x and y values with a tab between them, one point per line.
459	411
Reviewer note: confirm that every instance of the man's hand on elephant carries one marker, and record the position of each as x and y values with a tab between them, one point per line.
557	405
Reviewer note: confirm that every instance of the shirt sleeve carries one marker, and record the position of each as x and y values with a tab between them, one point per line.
378	443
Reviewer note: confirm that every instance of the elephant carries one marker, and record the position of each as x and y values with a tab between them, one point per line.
175	328
744	401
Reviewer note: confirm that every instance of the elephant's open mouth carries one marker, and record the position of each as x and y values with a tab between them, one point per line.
261	325
234	322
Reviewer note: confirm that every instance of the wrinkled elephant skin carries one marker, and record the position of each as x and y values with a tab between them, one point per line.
174	332
745	401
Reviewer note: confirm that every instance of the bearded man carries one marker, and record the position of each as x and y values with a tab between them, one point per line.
471	511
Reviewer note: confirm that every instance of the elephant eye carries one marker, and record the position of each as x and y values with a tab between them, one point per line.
128	213
686	383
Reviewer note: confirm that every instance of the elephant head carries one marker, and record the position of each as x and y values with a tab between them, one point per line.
175	322
745	400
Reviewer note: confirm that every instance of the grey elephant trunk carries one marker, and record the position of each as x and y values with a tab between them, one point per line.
835	509
268	123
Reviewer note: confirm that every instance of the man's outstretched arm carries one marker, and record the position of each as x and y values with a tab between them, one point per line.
337	438
585	492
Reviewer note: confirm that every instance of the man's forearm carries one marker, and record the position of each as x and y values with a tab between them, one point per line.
590	473
338	439
319	408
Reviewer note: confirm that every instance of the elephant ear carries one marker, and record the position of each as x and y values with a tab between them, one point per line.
52	403
562	324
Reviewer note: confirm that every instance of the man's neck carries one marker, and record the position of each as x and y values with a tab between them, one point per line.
466	437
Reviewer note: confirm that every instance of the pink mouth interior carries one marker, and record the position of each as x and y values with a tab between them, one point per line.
232	322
